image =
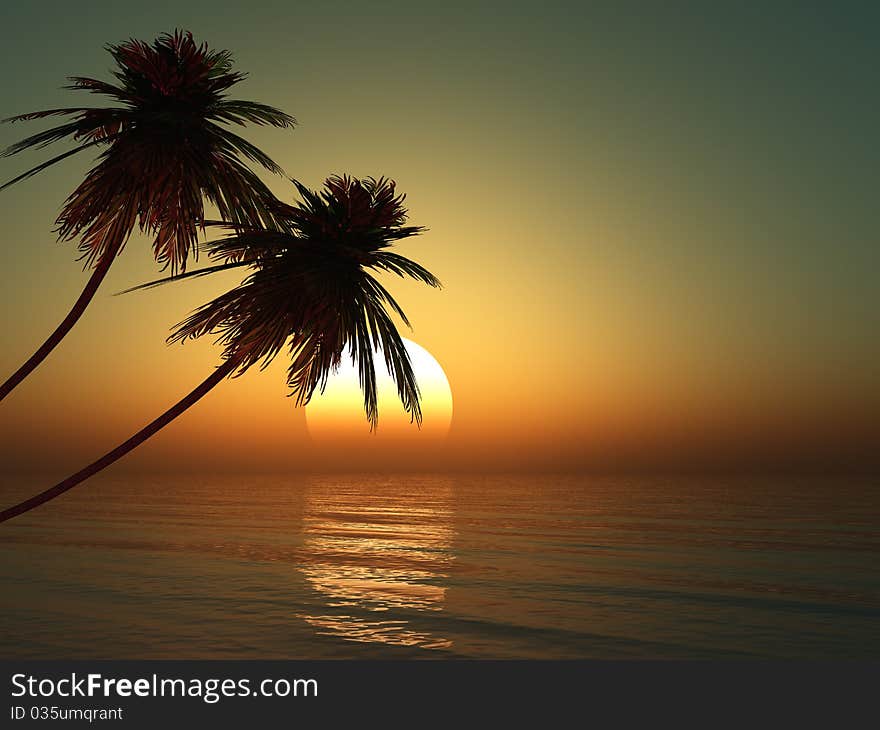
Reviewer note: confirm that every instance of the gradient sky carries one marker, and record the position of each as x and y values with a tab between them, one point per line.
655	224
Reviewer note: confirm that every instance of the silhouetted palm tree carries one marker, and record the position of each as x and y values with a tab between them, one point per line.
165	150
310	289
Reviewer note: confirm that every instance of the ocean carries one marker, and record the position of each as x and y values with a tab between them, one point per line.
434	566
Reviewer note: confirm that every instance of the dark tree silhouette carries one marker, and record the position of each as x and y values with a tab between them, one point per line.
311	290
165	149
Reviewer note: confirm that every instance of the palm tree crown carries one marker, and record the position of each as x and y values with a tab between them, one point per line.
311	289
165	148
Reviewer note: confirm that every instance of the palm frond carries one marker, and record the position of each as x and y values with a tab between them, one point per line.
43	139
237	111
30	116
95	86
48	163
185	275
402	266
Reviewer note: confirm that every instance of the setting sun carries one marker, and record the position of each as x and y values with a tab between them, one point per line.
337	414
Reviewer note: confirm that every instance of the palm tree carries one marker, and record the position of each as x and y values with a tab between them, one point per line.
310	289
164	150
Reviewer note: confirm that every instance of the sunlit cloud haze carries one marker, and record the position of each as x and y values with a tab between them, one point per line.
654	223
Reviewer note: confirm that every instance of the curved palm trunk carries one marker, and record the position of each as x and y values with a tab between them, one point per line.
71	319
219	374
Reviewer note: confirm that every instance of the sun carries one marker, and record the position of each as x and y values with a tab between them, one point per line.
337	414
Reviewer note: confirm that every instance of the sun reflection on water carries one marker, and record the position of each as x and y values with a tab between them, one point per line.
376	553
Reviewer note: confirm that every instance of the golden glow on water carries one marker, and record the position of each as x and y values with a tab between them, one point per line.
370	555
473	566
337	414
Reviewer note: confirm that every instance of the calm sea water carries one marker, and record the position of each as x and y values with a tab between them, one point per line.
436	566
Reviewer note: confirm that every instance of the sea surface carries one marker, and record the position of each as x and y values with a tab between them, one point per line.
501	566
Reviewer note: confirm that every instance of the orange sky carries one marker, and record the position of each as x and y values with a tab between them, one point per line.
631	278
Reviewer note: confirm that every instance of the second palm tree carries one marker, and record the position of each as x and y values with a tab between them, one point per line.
310	290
